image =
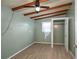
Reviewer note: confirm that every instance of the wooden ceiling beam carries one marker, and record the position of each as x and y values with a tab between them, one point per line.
50	13
48	9
51	16
28	4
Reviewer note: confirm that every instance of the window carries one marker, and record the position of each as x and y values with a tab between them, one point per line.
46	26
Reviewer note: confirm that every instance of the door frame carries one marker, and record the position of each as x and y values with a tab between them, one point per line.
66	31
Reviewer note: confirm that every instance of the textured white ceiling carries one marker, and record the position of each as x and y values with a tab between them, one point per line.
15	3
50	15
50	3
45	12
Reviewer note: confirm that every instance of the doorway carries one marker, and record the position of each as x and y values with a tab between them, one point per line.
58	32
65	19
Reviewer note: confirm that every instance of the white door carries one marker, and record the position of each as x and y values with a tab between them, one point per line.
66	34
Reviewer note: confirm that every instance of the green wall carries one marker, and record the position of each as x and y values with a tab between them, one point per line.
58	32
19	34
71	14
39	35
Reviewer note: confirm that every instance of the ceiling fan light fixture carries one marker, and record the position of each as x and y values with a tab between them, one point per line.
37	9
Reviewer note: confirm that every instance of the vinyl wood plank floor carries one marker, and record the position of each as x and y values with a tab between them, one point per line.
43	51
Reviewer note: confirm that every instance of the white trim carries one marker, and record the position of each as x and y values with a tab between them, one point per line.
20	51
50	43
44	42
51	33
58	43
66	34
64	18
60	18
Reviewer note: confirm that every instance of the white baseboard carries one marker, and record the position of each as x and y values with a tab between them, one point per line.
43	42
58	43
72	54
20	51
50	43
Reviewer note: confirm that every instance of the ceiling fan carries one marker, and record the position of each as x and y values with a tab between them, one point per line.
37	6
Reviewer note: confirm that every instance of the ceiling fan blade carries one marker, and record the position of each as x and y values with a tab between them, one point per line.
29	6
44	7
37	3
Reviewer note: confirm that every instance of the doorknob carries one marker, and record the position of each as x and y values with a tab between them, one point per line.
75	45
